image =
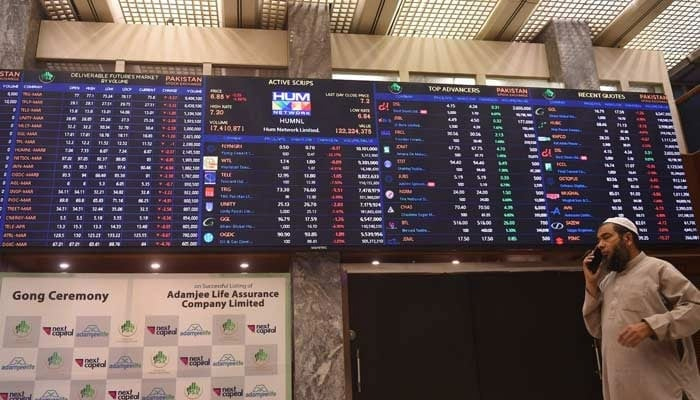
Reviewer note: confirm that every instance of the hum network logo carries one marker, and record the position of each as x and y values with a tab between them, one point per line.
291	103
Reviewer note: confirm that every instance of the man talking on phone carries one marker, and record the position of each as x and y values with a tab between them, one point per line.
645	313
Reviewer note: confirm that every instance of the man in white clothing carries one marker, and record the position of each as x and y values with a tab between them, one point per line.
645	313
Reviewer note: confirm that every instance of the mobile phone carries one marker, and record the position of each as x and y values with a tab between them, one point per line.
595	263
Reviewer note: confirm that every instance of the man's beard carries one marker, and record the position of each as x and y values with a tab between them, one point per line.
619	258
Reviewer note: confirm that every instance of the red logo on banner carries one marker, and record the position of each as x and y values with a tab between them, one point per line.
113	394
217	391
185	360
151	329
79	361
252	328
47	329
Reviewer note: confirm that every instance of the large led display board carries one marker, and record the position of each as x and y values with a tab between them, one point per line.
130	160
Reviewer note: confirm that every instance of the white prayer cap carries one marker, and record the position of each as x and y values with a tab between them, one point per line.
624	222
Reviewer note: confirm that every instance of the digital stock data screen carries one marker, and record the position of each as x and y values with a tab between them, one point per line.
132	160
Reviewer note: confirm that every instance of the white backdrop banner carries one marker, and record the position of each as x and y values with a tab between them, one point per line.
145	337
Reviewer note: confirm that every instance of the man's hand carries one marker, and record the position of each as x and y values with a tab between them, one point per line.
591	278
633	334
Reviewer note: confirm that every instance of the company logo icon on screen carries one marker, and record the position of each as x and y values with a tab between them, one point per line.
291	103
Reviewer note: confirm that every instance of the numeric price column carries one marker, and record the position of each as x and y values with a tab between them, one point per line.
187	163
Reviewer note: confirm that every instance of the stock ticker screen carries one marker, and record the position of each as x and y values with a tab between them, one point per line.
132	160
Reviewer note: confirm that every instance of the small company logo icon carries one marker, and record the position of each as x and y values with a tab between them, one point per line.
395	88
229	327
51	395
161	330
262	329
227	360
124	394
159	360
127	329
92	331
195	330
158	393
261	391
193	391
60	331
229	392
91	363
47	77
124	362
15	396
87	392
17	364
549	94
261	357
196	361
55	360
23	329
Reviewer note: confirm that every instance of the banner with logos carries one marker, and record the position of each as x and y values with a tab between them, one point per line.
145	337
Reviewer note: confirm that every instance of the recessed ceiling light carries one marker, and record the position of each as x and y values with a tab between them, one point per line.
155	266
245	265
63	265
375	262
455	262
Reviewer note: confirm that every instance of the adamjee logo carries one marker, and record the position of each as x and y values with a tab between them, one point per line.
197	361
158	393
124	394
162	330
124	362
227	360
195	330
92	331
262	329
15	396
91	363
60	331
228	392
51	395
17	364
261	391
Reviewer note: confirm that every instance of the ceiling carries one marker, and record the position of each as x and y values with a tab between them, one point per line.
670	26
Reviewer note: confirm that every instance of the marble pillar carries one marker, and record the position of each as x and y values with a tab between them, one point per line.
308	28
570	54
319	353
19	33
320	371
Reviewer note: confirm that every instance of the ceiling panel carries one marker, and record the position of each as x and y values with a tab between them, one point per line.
59	10
597	13
447	19
274	13
171	12
676	32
